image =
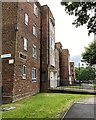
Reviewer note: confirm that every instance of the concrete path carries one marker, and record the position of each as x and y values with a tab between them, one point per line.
84	110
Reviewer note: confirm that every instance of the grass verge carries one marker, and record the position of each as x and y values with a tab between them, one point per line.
44	105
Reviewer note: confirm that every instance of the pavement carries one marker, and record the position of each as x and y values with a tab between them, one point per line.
73	90
83	110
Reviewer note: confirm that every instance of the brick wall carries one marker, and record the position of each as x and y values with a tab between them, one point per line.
13	83
58	49
46	15
45	24
72	71
64	67
9	12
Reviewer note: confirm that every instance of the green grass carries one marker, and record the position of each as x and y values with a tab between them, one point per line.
45	105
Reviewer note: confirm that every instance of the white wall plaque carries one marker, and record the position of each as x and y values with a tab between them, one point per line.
6	56
11	61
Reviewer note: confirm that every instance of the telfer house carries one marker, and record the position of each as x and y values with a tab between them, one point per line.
31	61
21	41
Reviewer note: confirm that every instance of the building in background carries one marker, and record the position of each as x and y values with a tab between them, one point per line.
58	50
65	67
72	73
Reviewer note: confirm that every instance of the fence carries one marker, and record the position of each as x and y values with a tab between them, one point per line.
72	84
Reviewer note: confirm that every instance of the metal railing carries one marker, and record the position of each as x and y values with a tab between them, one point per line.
74	85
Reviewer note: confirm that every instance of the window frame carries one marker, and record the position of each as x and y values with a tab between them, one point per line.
24	74
35	49
34	71
25	44
26	19
35	10
35	30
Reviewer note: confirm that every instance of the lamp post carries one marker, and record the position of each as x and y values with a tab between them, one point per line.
79	72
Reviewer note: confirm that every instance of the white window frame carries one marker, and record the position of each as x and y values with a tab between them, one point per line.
26	19
52	60
35	30
25	44
35	49
24	74
34	74
35	10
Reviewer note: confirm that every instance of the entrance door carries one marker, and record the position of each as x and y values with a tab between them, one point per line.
53	79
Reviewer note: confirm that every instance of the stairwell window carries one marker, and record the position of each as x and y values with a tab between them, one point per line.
35	10
25	44
26	18
34	51
34	75
24	72
35	30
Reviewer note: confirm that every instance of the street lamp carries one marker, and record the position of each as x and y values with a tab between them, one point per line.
79	72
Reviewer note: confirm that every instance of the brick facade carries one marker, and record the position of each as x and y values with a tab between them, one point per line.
58	50
65	67
72	72
14	31
48	67
47	50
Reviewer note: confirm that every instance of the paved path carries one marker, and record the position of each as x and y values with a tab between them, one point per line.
72	90
86	109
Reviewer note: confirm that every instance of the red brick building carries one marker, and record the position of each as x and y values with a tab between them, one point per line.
49	71
31	61
58	50
65	67
72	73
20	50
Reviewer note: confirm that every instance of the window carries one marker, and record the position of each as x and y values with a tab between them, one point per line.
52	60
23	56
34	51
35	30
25	44
26	18
35	10
24	72
51	40
34	74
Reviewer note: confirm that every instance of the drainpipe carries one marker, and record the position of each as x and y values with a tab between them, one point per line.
40	49
48	52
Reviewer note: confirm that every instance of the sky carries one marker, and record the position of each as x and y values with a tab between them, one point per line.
74	39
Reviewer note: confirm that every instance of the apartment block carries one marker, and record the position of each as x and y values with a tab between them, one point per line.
72	73
58	50
49	70
31	60
20	50
65	67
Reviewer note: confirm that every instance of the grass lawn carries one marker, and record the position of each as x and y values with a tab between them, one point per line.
43	105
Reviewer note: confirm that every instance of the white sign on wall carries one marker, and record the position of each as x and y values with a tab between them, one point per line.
11	61
6	56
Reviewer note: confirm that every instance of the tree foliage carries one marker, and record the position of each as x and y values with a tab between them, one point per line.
86	74
83	13
89	55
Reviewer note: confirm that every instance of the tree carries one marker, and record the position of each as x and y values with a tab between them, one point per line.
83	13
86	74
89	55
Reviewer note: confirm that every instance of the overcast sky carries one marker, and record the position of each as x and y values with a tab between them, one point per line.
74	39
